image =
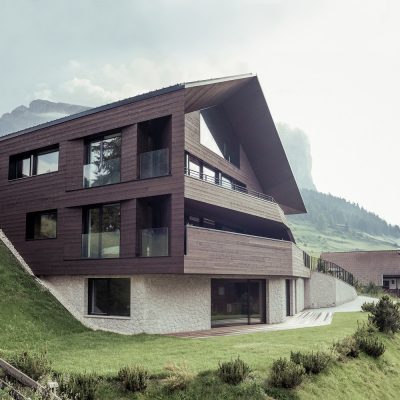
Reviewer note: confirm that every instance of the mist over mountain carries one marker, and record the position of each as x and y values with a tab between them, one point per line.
38	112
298	151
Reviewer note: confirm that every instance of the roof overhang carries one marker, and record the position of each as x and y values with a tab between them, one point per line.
241	99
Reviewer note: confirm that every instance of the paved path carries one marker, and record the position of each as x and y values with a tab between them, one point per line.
305	319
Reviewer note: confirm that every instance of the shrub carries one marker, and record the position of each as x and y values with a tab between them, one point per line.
385	315
233	372
313	363
34	364
80	386
371	346
179	377
286	374
134	378
347	347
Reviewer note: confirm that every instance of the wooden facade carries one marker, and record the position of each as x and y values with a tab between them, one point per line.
64	191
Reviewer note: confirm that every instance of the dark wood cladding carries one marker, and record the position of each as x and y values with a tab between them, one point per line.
225	253
263	167
63	190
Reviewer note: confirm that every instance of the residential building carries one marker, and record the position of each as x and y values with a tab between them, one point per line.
164	212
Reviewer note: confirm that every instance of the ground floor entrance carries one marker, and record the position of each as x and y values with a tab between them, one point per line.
237	302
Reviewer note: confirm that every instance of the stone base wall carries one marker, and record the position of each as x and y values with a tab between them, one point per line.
276	300
159	303
324	290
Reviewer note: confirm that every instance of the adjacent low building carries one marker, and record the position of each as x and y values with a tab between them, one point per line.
163	212
382	267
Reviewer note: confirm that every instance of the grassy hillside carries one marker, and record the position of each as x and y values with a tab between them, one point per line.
32	319
334	224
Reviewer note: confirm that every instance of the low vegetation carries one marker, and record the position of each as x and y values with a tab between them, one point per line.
313	362
233	372
179	377
286	374
134	378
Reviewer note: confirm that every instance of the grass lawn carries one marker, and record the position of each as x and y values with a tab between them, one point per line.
32	319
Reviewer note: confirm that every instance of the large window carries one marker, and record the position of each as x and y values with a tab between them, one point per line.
103	161
109	296
41	225
101	231
37	162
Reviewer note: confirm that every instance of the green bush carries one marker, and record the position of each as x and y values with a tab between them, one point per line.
79	386
233	372
347	347
313	363
179	377
372	346
286	374
385	314
34	364
134	378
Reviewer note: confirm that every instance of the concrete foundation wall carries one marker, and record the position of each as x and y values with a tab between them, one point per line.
299	295
326	291
159	304
276	300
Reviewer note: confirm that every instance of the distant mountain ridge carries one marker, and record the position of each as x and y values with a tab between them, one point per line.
38	112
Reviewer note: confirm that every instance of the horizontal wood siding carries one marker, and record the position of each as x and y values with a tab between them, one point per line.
224	253
63	191
205	192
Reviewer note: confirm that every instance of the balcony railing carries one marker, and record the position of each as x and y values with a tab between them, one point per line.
228	185
101	245
327	267
99	174
154	163
154	242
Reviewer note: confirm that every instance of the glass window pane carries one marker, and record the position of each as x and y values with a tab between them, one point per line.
109	296
209	174
112	147
26	167
47	163
42	225
194	167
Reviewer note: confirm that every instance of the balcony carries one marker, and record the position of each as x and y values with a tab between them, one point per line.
154	163
101	245
154	242
212	191
216	252
105	173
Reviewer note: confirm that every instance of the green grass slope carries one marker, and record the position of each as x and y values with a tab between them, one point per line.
31	318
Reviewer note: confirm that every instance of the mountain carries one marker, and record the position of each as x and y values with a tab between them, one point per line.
331	223
298	151
38	112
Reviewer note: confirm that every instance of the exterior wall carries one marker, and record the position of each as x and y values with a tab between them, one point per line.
276	300
210	251
299	295
327	291
62	190
159	303
367	266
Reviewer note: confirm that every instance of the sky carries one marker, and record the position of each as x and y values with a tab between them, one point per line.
330	68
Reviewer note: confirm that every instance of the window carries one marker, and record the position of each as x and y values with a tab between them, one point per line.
41	225
103	161
37	162
101	231
109	296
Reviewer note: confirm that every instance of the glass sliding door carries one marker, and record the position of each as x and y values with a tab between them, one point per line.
237	302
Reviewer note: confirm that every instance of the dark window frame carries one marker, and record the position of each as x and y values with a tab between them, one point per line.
90	288
30	224
15	160
85	225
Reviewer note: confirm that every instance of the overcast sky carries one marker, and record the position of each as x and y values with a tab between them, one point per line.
331	68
